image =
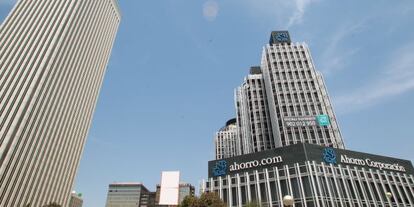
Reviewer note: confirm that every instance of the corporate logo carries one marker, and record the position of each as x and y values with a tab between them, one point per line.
329	155
220	168
323	120
282	36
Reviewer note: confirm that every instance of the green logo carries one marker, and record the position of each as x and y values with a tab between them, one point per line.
323	120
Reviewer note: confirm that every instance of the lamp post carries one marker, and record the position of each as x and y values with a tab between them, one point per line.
288	200
389	196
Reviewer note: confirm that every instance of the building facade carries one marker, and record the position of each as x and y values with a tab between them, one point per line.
185	189
284	101
292	145
53	57
315	176
128	195
299	105
253	118
226	141
75	200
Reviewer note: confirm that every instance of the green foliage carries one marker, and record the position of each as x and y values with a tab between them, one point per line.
205	200
210	200
253	204
189	201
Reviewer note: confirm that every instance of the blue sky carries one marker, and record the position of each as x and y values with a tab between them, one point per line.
169	84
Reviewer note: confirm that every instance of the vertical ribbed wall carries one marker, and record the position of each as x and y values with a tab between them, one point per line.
294	88
255	131
225	141
53	56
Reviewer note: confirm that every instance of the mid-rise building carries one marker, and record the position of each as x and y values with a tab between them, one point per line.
75	200
53	57
226	141
185	189
128	195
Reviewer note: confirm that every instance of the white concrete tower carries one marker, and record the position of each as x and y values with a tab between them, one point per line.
253	119
226	141
299	105
53	56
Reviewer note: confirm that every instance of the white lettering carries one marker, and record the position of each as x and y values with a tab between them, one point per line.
255	163
373	164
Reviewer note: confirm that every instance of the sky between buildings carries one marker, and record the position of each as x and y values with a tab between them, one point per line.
169	84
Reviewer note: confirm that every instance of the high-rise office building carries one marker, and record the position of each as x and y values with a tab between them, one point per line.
284	101
253	119
307	166
226	140
53	56
299	105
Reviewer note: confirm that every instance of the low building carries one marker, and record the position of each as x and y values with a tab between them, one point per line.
128	195
314	176
185	190
75	200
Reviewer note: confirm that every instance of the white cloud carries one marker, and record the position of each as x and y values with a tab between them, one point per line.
396	78
333	57
300	8
210	10
286	13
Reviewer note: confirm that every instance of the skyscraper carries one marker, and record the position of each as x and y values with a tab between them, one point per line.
301	161
283	101
299	105
253	118
226	140
53	56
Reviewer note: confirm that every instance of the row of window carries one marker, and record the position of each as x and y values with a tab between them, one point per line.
329	190
288	55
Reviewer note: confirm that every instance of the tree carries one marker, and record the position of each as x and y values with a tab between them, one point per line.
205	200
210	199
189	201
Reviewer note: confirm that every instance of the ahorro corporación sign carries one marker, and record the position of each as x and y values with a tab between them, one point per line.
300	153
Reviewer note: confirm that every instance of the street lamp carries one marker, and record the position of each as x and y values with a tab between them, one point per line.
288	200
389	196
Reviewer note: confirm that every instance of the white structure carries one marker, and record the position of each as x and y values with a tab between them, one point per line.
284	101
255	131
53	56
170	181
299	106
226	141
